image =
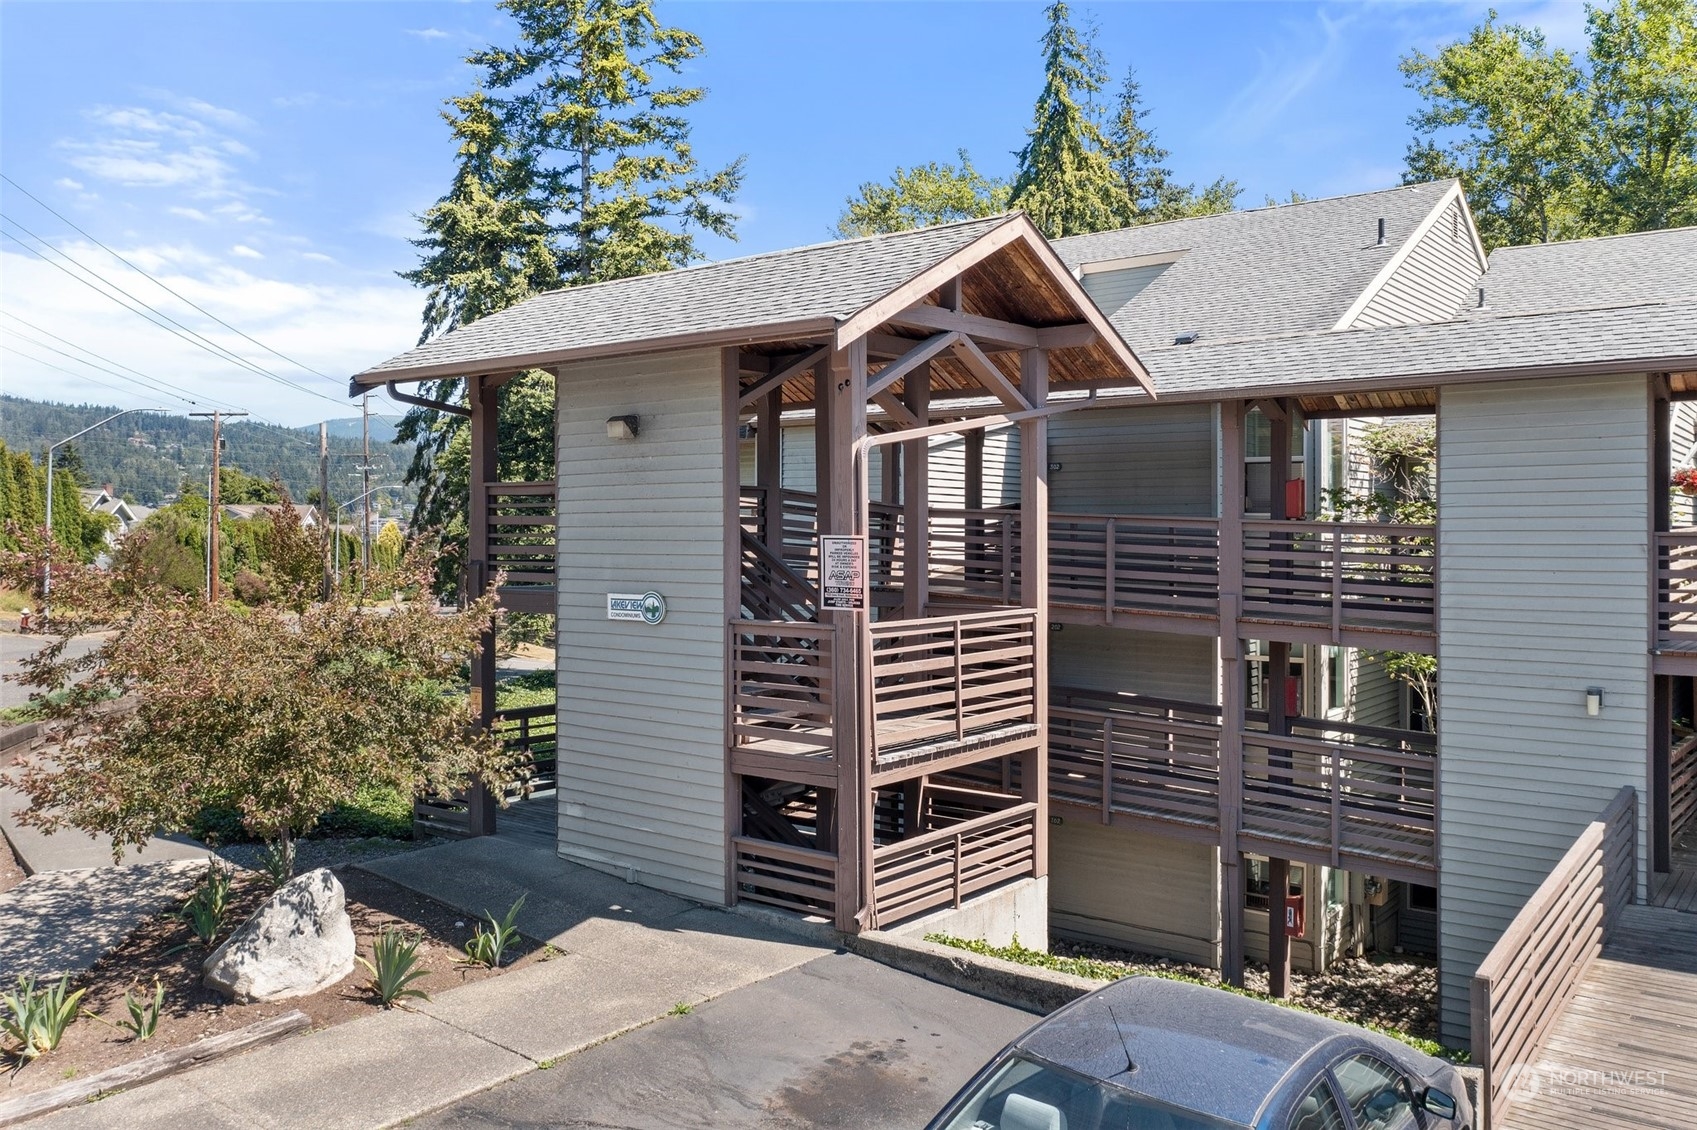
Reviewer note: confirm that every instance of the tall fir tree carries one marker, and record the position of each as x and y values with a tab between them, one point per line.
575	166
1139	165
1065	180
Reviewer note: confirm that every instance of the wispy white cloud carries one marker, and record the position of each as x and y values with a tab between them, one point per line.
68	184
186	213
243	251
428	32
1314	50
317	257
173	144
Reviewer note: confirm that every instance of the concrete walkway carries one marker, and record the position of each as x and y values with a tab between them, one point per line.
71	850
630	955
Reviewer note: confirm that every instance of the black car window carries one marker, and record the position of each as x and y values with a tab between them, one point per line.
1376	1094
1318	1110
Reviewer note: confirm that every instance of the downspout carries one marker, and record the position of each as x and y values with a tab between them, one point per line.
421	402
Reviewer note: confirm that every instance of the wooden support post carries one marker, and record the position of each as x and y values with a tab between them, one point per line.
1231	691
1278	945
972	529
841	415
1034	585
765	439
485	418
769	468
916	500
1661	717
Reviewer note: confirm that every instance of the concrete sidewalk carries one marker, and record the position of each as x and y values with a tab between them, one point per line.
630	956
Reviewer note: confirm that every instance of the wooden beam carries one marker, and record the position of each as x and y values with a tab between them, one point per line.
769	467
911	360
730	382
897	411
989	376
781	377
1272	408
842	499
916	505
1015	227
485	428
948	295
1034	585
1231	692
1278	944
992	332
1074	336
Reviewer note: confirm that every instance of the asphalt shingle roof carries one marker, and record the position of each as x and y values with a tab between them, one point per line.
1619	270
824	281
1267	271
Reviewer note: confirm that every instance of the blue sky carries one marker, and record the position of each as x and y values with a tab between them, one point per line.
265	161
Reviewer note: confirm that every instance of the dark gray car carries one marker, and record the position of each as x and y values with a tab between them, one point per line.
1147	1053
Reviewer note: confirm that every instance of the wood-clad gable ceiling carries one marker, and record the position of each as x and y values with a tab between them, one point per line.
1012	285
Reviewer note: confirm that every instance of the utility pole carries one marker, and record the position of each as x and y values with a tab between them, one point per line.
213	523
365	466
47	565
327	530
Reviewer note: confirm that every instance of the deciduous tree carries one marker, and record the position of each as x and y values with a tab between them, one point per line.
934	193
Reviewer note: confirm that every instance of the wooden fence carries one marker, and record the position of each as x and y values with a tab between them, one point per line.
948	865
794	878
530	729
1523	984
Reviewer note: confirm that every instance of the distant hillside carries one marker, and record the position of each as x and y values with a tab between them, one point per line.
147	456
382	428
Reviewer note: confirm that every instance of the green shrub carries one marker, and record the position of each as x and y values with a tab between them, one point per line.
486	948
37	1019
144	1013
394	954
209	905
376	811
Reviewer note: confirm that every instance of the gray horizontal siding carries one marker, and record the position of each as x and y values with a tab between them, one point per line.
1543	593
1151	663
1146	893
1375	699
642	709
1431	281
1113	289
1157	460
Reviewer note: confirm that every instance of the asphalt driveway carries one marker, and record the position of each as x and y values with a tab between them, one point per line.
838	1042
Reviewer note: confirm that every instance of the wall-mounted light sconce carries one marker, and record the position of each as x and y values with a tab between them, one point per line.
624	427
1593	701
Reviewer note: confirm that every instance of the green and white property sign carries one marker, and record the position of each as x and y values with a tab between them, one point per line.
648	607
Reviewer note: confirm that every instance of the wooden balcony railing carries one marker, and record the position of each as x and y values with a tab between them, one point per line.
974	554
1127	563
1676	591
531	730
1682	786
948	865
781	693
1362	795
794	878
522	533
1369	575
944	680
1137	755
771	590
1520	989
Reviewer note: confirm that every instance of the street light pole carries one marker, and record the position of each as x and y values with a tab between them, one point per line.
47	566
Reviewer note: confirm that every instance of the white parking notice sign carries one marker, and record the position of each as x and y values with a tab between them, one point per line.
842	572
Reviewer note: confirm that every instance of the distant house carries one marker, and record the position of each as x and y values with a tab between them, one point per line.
106	501
244	511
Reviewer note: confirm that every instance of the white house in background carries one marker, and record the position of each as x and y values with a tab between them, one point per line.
1180	724
105	500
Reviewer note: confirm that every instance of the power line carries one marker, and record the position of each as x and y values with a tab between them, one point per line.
141	379
165	288
158	318
118	364
77	375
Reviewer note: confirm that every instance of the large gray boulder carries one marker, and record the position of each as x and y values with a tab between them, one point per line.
297	943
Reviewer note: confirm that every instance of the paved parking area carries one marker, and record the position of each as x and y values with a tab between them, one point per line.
838	1042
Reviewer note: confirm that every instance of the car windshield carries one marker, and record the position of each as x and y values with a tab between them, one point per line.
1026	1094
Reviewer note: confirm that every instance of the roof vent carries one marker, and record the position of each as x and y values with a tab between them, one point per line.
1381	242
1188	337
1480	305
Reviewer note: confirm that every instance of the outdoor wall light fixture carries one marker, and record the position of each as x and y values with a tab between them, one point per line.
623	427
1593	701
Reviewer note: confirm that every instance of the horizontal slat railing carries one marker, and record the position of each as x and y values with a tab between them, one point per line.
522	533
1133	563
771	590
1353	801
1682	786
1127	753
946	866
531	729
974	554
1372	575
781	686
946	678
1522	986
794	878
1676	590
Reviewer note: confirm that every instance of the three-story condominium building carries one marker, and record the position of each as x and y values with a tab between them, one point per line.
957	573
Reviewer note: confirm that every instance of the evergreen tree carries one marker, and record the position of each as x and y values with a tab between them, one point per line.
1065	180
933	193
1139	164
574	166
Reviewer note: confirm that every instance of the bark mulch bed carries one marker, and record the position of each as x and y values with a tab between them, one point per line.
165	948
1398	991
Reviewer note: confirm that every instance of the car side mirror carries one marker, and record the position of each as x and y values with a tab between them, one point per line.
1437	1102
